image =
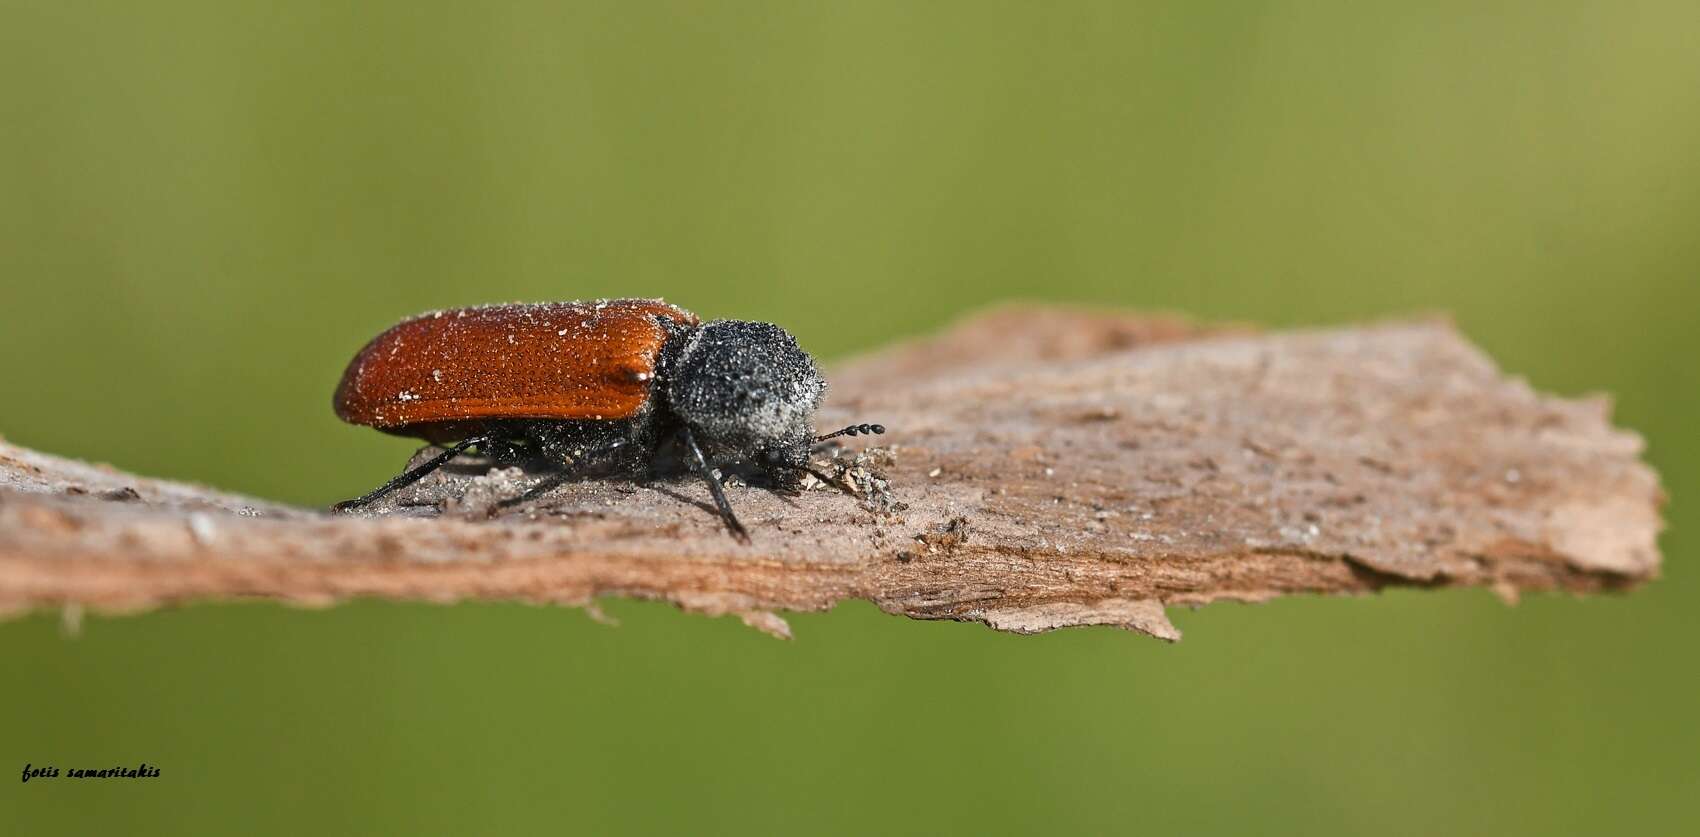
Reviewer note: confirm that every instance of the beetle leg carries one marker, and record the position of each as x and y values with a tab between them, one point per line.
699	464
561	476
410	477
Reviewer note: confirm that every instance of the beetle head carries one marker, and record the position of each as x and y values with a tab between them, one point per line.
747	387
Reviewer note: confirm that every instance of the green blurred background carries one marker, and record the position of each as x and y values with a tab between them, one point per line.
206	207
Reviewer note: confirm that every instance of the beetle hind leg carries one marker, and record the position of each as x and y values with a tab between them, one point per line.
407	478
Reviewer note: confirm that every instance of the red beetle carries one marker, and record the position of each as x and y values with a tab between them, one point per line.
618	385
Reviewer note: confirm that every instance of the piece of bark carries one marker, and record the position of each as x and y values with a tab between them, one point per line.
1043	468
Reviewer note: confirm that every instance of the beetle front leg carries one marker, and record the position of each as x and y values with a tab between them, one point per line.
698	463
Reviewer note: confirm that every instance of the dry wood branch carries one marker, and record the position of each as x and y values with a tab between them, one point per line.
1046	468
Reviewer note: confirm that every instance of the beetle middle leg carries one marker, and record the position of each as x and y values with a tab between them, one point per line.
565	474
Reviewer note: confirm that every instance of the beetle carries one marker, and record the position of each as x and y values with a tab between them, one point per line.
622	385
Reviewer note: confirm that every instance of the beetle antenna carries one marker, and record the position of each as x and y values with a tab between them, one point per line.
853	430
410	477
